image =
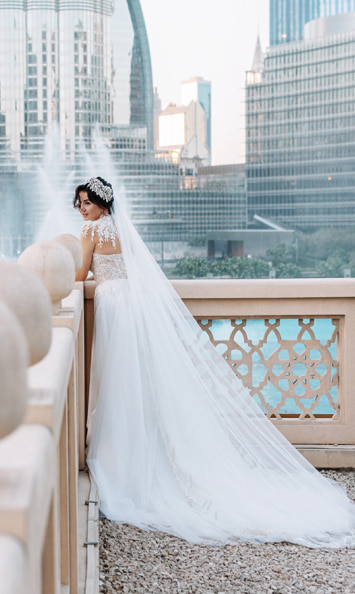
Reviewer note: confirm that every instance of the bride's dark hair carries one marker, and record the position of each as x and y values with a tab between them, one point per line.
93	195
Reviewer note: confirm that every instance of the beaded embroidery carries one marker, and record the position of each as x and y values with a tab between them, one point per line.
105	229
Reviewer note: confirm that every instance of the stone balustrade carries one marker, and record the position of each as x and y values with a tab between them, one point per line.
44	521
308	365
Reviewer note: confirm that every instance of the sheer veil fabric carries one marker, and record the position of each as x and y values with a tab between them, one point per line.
176	442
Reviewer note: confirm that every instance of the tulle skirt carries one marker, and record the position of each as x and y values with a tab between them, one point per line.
177	444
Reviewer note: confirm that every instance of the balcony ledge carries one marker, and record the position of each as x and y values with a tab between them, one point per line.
265	288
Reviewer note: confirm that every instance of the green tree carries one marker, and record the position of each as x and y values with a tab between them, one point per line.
324	243
191	267
240	268
334	266
226	267
281	254
288	270
253	268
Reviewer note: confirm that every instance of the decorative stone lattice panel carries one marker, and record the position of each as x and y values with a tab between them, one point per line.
291	366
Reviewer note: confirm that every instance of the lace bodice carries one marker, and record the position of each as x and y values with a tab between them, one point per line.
107	267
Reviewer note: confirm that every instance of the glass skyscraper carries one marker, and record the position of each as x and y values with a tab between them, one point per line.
79	64
66	69
288	17
300	130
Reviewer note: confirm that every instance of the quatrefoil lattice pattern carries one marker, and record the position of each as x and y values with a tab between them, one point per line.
290	366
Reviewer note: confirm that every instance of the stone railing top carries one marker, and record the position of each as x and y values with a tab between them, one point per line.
314	288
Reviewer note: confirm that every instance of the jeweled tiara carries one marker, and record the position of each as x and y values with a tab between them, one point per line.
105	192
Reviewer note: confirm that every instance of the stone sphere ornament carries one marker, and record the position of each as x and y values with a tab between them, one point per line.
14	360
72	244
54	265
27	298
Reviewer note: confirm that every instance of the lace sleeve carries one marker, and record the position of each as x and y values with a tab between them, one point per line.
103	229
87	230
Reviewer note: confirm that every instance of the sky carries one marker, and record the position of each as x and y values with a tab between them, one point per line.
216	40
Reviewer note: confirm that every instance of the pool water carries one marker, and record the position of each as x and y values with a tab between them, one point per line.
310	367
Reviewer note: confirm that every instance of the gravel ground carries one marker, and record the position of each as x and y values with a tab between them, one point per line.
132	560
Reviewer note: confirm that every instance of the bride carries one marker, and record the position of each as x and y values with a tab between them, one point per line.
175	441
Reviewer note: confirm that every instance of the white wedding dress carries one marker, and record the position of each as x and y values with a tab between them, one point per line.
175	441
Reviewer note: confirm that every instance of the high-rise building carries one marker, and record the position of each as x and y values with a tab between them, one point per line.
198	89
288	17
68	68
79	64
300	121
183	133
185	130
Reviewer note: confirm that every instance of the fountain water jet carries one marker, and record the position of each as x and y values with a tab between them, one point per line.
59	178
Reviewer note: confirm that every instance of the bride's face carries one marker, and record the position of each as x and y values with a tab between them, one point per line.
88	210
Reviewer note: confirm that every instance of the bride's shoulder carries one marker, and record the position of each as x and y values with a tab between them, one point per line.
100	231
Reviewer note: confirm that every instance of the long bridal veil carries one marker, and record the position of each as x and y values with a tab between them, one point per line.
178	444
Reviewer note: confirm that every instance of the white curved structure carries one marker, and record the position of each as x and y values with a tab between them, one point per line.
330	25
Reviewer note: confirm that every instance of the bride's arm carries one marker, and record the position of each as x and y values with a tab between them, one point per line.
87	248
